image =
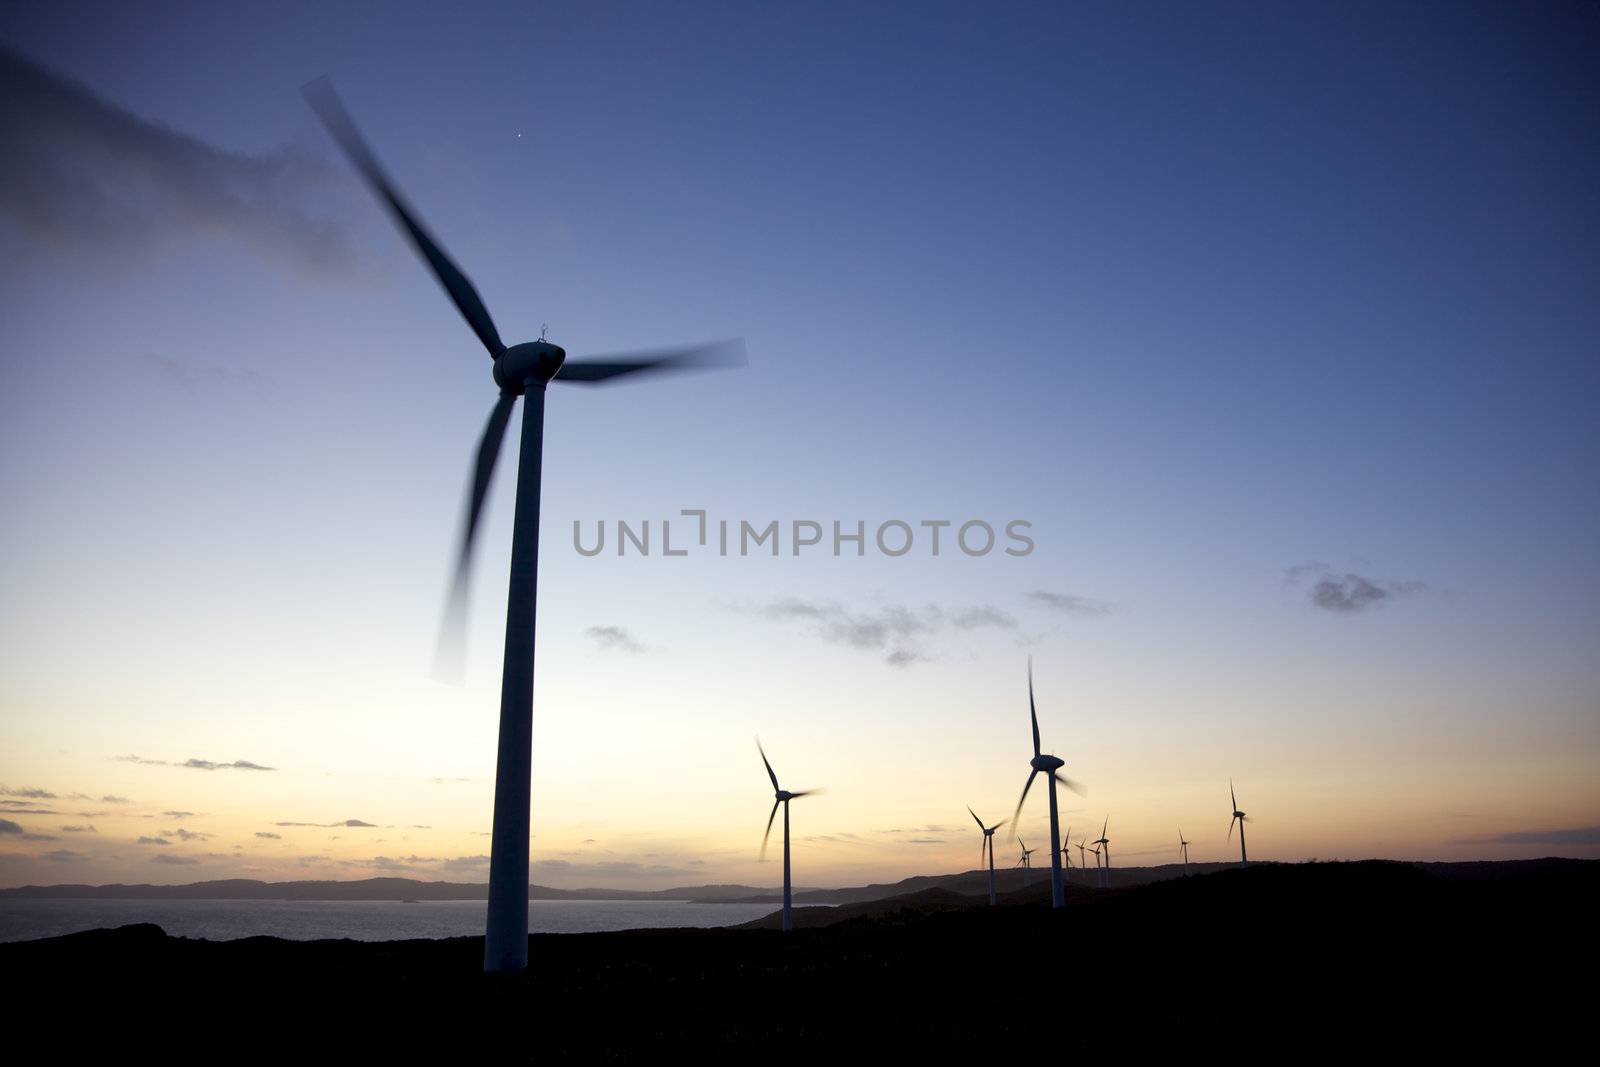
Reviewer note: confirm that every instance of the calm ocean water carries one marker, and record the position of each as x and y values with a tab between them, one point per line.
361	920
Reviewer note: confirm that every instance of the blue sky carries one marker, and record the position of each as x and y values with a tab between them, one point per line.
1204	294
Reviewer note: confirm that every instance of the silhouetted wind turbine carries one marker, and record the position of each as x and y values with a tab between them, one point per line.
1083	860
1183	846
1023	862
1099	876
1105	843
520	370
986	845
1066	846
1042	763
1240	818
781	796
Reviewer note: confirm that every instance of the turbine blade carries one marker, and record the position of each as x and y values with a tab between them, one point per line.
1076	787
449	654
1230	827
1233	796
770	772
805	793
1103	827
605	369
975	817
768	834
326	103
1025	787
1032	711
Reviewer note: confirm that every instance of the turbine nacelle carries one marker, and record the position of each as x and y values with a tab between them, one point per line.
784	794
520	365
1047	763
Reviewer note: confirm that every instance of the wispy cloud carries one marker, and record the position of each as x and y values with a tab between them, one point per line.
191	764
146	840
1582	835
175	861
901	633
83	829
269	836
614	638
194	379
1348	593
12	829
83	173
63	855
1070	603
330	825
30	793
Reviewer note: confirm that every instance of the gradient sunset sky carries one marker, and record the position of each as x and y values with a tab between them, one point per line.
1278	325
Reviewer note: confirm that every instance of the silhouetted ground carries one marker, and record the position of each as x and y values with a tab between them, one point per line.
1294	961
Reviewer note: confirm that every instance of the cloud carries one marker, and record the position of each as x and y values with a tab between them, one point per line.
175	861
178	814
190	378
153	841
465	863
329	825
1583	835
112	798
84	173
603	869
1348	593
63	855
12	829
185	835
1071	604
34	794
614	638
79	830
192	764
269	837
925	841
899	632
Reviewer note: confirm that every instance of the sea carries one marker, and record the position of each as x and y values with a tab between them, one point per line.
359	920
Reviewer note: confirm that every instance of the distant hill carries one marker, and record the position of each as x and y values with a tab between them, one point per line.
1008	883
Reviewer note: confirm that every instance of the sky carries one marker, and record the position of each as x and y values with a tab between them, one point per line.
1275	328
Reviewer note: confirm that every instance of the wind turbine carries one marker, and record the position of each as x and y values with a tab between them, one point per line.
1240	818
987	845
1183	846
1023	862
781	796
1105	843
1066	845
1099	876
1083	860
1042	763
519	370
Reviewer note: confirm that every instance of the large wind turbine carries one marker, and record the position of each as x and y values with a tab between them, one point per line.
1105	843
1183	846
987	845
1023	862
1042	763
520	370
780	796
1240	818
1066	846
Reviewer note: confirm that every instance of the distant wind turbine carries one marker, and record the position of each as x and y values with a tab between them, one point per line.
1099	876
1023	862
781	796
1105	843
1082	859
987	845
1183	846
518	370
1066	846
1240	818
1043	763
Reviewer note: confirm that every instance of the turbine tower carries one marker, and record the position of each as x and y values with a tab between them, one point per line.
1043	763
1183	846
519	370
986	845
1240	818
781	796
1099	875
1105	843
